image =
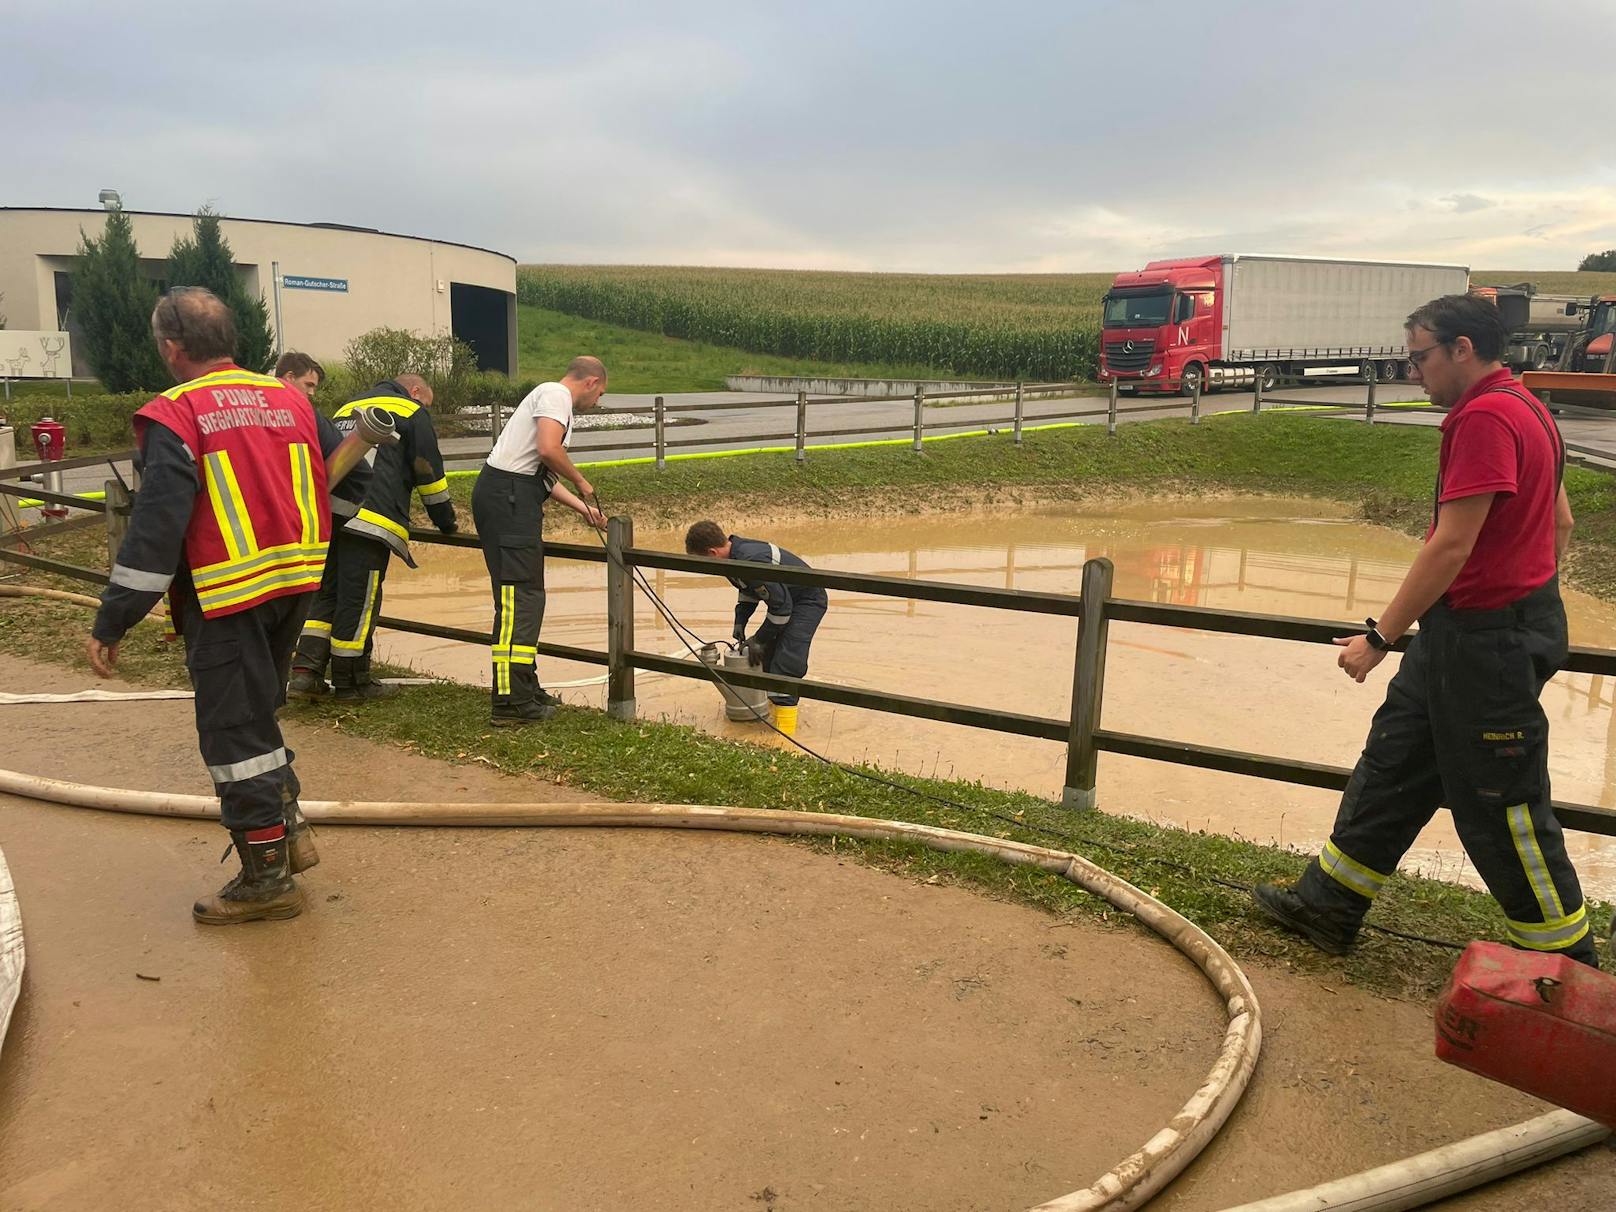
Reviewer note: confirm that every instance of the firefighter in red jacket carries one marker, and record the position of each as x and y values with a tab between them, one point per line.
232	521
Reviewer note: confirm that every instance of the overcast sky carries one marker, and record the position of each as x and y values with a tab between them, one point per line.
950	137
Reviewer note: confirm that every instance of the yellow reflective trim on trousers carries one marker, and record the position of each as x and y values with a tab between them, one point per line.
230	570
229	506
397	405
1350	873
439	485
245	587
387	524
303	491
1554	935
1533	863
316	627
502	644
367	612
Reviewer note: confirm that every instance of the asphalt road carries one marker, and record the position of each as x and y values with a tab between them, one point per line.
720	421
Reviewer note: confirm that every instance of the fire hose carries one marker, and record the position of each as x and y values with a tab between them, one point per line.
1127	1185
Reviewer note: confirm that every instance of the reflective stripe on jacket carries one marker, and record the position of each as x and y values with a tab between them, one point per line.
262	520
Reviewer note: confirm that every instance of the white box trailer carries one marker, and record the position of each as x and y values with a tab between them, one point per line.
1306	309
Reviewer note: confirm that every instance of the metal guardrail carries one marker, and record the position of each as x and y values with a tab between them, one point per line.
1095	609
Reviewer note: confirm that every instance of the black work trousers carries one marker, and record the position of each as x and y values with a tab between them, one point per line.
786	651
1462	726
341	626
509	512
238	665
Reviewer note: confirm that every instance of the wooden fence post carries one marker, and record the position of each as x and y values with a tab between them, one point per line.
661	435
1019	406
1256	393
1369	403
1111	411
1088	686
619	620
920	415
802	426
1195	402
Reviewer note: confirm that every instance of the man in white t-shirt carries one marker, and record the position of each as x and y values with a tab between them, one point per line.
526	466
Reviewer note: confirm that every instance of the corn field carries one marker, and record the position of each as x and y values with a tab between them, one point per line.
1013	326
996	326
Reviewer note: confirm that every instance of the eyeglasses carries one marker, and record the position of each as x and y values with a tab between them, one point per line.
1416	356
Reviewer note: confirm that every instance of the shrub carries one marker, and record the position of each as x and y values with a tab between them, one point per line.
113	302
205	260
102	420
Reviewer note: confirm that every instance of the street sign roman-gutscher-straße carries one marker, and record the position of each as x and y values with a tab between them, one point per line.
303	282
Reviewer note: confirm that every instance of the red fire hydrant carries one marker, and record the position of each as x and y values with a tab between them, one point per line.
50	440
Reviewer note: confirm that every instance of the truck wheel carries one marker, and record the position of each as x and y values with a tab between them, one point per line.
1388	370
1539	358
1268	376
1405	370
1189	377
1367	370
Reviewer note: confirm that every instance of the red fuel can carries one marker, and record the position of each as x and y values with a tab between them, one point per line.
1542	1023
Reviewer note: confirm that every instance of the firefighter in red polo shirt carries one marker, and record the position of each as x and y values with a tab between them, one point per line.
1461	724
232	521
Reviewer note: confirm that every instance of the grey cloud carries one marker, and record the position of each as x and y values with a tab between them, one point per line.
940	136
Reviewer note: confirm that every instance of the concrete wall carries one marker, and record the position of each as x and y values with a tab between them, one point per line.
398	281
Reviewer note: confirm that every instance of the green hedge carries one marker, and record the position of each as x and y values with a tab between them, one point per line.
103	421
99	420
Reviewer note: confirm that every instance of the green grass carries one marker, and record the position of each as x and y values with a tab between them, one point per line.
1386	469
1548	281
644	362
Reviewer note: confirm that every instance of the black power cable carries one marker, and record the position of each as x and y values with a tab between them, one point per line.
1071	839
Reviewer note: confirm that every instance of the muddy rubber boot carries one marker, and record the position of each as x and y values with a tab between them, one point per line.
351	681
262	891
516	715
306	684
785	718
1287	908
301	854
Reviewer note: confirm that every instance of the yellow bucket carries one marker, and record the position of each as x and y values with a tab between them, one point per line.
785	719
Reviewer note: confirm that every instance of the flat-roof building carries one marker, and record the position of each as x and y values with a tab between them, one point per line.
334	282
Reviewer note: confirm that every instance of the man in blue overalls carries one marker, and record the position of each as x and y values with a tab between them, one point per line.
794	611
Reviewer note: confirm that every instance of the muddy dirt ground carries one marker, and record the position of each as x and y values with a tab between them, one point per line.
591	1019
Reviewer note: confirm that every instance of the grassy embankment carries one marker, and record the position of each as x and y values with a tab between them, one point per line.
1386	469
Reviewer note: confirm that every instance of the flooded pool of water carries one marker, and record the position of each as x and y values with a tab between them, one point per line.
1267	696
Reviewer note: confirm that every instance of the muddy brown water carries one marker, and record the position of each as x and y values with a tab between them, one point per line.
1269	555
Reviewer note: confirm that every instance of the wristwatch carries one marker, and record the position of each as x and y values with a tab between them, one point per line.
1376	641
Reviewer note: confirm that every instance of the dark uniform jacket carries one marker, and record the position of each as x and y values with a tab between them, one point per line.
779	598
378	507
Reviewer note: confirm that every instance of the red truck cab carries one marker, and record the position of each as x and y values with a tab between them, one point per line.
1162	325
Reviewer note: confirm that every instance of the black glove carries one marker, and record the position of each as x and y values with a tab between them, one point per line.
443	516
